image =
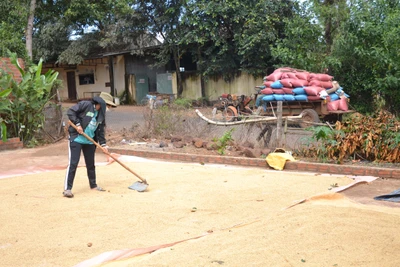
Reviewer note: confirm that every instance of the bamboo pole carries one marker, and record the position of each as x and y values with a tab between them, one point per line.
244	121
279	125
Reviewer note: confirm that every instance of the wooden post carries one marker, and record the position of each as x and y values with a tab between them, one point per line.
279	125
111	74
285	132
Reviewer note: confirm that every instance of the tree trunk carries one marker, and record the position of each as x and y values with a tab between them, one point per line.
330	4
328	34
29	28
178	71
111	74
203	90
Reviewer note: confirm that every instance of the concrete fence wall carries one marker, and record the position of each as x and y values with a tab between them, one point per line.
243	84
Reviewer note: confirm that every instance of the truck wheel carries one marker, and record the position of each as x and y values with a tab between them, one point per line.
227	114
308	115
231	114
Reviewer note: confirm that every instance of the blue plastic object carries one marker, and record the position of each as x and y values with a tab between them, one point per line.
301	97
278	97
334	97
299	91
288	97
268	98
276	85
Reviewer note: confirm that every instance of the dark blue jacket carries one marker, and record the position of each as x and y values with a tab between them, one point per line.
77	114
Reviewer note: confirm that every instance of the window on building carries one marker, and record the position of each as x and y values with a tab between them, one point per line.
86	79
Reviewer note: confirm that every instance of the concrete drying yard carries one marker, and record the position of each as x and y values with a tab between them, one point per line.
224	216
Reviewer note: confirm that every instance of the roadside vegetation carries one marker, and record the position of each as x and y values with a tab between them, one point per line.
22	103
355	41
374	138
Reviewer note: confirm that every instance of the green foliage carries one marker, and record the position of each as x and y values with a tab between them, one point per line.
366	54
183	103
163	19
357	40
101	13
226	38
50	40
201	101
3	130
81	48
322	139
296	48
4	107
22	107
373	138
13	21
69	31
321	133
164	121
223	141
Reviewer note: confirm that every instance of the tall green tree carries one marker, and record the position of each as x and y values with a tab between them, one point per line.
164	21
366	56
302	45
29	28
330	15
89	25
358	41
234	35
50	40
13	21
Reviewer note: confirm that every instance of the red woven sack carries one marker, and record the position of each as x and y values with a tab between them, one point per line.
288	75
288	91
299	83
268	83
313	90
343	104
286	82
326	84
323	84
315	83
266	91
303	75
276	75
313	98
320	76
333	105
278	91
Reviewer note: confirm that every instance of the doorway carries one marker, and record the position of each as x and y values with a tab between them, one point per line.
139	87
71	83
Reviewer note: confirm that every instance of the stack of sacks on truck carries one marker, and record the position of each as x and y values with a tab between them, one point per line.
287	84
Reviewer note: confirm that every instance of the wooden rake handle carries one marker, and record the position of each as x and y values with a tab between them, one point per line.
108	154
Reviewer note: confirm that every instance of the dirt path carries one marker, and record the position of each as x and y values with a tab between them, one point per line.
240	211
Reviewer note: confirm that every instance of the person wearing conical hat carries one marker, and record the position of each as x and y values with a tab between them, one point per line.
90	118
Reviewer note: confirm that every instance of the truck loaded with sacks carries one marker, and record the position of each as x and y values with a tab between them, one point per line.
314	96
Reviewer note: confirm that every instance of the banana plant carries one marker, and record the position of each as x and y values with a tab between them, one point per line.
4	107
27	99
